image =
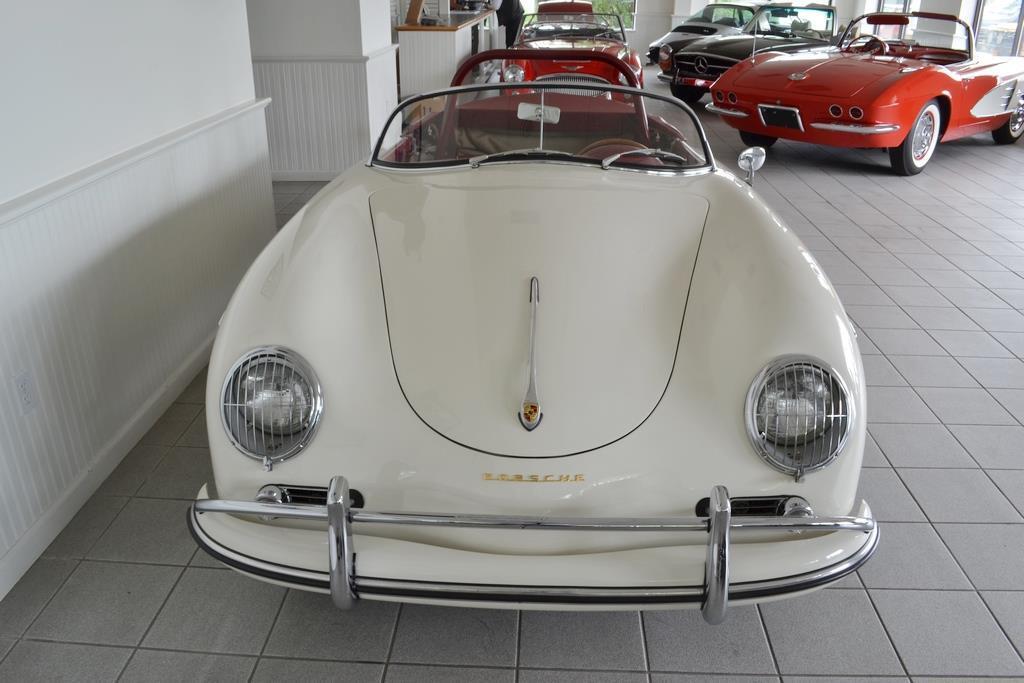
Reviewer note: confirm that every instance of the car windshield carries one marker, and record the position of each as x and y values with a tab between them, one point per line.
816	23
934	37
541	26
734	16
603	126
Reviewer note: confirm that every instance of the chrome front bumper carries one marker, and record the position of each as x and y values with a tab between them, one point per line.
346	585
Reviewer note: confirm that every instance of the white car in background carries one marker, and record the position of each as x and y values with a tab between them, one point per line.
539	352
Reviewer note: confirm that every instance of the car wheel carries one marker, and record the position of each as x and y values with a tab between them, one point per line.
688	93
917	148
755	140
1013	129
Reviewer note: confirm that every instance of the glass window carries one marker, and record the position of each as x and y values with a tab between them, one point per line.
998	26
724	15
626	9
807	22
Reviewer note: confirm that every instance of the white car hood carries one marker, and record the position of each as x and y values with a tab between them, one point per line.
614	269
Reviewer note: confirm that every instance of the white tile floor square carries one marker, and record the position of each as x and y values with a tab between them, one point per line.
930	268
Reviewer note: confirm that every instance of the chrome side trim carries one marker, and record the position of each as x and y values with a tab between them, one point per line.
367	586
858	128
723	111
716	567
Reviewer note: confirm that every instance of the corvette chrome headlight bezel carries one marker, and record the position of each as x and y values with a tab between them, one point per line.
805	453
249	437
513	73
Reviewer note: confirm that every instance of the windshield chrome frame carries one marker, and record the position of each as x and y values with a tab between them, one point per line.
915	15
522	26
375	161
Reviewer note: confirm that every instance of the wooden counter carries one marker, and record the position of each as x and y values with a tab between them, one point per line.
456	21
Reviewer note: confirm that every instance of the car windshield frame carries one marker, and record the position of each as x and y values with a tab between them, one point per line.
842	42
375	160
751	28
571	19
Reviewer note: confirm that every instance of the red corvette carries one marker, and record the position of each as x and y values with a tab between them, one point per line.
899	81
582	31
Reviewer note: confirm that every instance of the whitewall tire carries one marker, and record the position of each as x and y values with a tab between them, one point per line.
917	149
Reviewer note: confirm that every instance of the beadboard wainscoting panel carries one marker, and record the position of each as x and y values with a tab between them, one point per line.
111	285
317	121
382	93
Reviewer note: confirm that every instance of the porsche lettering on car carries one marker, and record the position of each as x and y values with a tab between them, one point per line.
902	82
702	395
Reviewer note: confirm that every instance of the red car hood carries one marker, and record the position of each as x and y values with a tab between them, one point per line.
825	74
612	47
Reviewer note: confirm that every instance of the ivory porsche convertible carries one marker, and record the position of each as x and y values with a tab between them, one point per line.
903	82
539	352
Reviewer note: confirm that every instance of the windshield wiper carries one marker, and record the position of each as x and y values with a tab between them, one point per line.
474	162
646	151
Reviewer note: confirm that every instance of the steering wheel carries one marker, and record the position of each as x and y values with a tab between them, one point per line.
872	45
609	146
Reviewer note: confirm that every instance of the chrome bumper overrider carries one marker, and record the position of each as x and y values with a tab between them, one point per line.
857	128
345	584
724	111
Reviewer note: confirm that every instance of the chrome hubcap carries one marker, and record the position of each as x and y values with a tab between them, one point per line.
1017	119
923	136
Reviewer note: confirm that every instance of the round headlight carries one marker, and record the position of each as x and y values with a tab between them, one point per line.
798	415
514	73
271	404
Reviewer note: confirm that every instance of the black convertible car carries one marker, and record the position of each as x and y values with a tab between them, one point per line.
782	27
717	19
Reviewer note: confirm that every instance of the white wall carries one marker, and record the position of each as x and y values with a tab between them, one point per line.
316	29
112	278
329	68
653	20
82	81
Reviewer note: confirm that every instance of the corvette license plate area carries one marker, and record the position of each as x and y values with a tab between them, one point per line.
780	117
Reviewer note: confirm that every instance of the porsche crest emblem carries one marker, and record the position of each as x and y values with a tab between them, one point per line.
529	416
798	76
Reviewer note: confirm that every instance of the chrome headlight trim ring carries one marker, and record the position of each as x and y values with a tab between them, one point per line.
231	416
845	420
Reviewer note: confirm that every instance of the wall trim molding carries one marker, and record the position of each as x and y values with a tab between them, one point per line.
343	59
20	557
34	200
316	176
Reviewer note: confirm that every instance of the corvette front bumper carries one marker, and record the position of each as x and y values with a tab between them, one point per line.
831	559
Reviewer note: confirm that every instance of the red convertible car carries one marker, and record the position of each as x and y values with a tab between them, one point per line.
898	81
586	31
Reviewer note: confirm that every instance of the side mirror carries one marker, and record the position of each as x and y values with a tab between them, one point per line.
751	160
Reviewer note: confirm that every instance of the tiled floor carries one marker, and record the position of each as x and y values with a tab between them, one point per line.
931	270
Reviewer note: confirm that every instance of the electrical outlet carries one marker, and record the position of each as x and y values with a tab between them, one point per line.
26	391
